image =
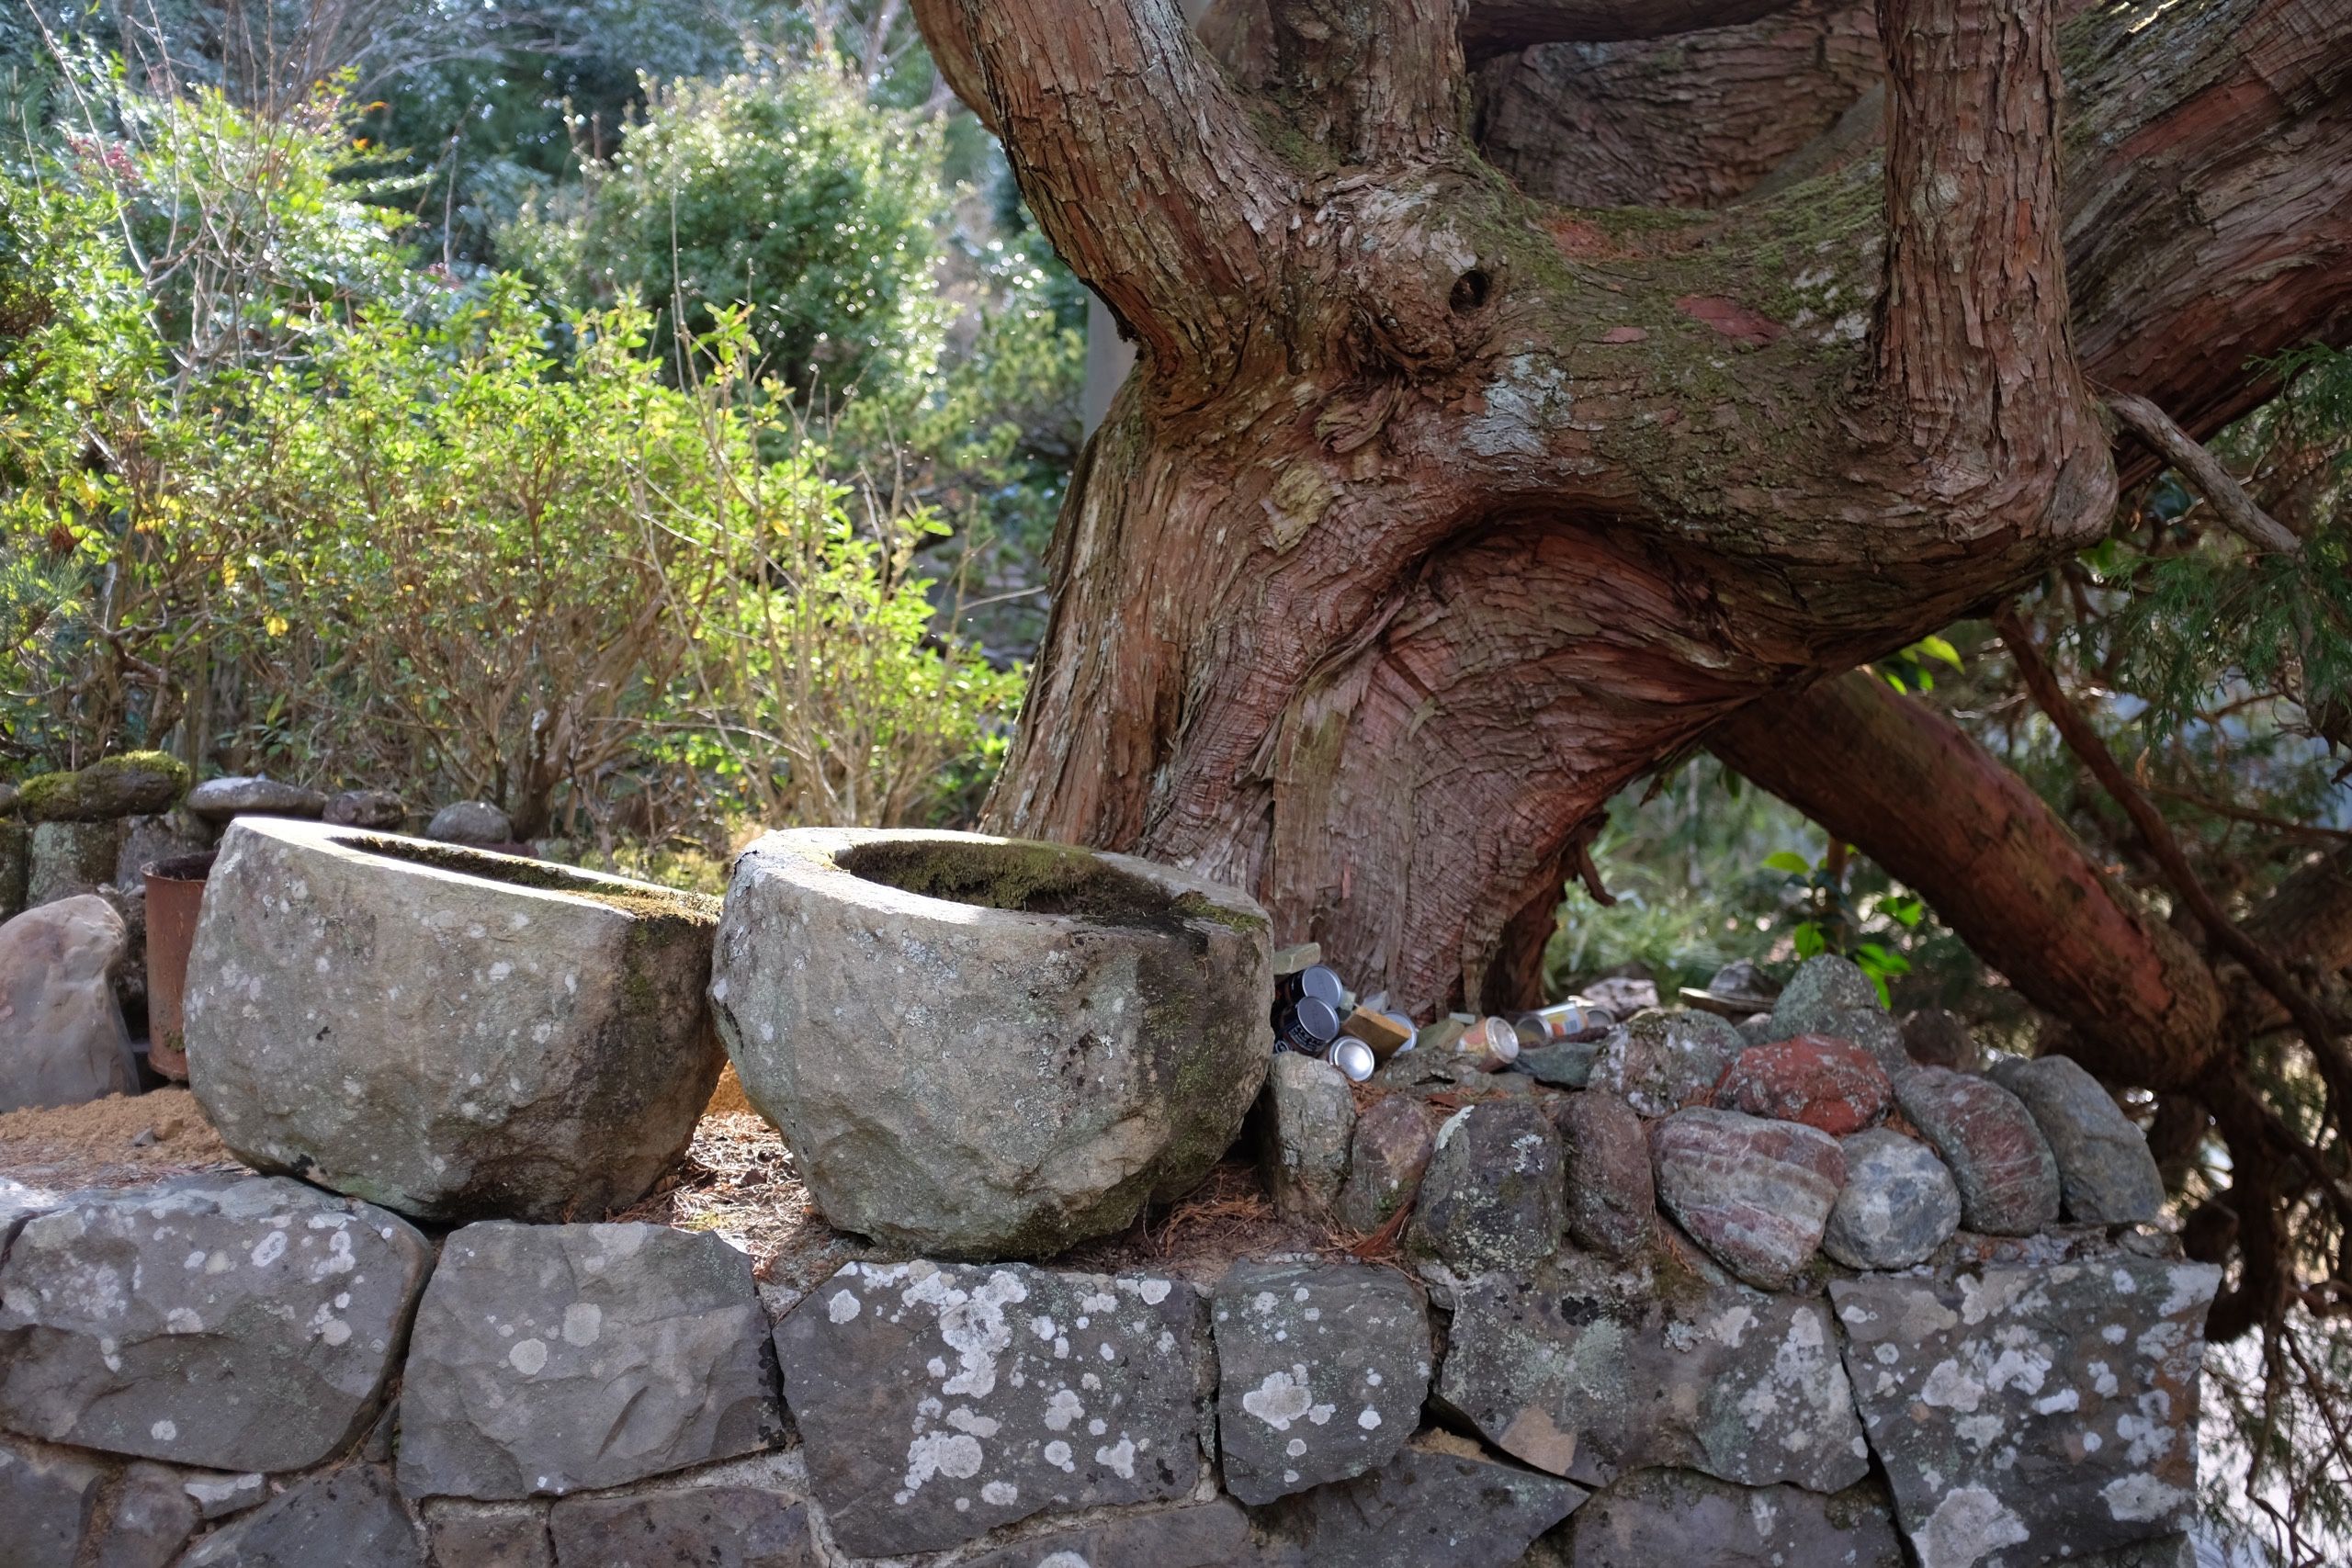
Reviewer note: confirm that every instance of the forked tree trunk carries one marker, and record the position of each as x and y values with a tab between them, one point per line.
1436	513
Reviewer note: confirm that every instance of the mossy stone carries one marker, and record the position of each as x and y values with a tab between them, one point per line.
136	783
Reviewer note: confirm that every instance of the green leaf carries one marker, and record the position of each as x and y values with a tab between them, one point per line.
1937	648
1809	939
1788	861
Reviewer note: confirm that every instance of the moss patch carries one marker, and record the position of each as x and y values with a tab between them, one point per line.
134	784
1030	879
642	899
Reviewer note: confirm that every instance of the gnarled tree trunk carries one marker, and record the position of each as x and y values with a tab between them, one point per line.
1437	510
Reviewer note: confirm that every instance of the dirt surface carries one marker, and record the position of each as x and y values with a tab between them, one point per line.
120	1140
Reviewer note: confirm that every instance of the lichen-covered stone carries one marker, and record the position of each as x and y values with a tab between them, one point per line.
471	822
151	1519
18	1204
1822	987
146	839
1663	1061
2105	1174
980	1048
131	785
554	1358
1493	1196
48	1497
1591	1375
717	1527
1310	1118
1321	1371
2027	1414
1681	1519
1568	1064
1215	1534
15	865
235	1324
1440	1500
1755	1193
936	1404
62	1035
451	1035
1395	1137
2008	1177
1898	1204
1833	1086
351	1517
219	800
69	859
1612	1195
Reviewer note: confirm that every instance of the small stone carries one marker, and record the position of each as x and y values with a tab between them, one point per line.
1874	1031
2106	1175
2050	1409
1898	1205
1215	1534
1298	955
1822	987
46	1499
18	1204
218	1496
1834	1085
936	1404
488	1535
1309	1116
219	800
258	1335
378	809
1395	1137
151	1519
1321	1371
134	783
62	1035
1756	1194
553	1358
1589	1374
69	860
1493	1195
1662	1062
2008	1177
1623	995
1680	1517
723	1527
351	1517
1565	1065
1756	1029
1934	1038
1612	1195
1440	1500
471	822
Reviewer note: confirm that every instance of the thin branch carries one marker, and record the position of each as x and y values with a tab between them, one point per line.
2204	471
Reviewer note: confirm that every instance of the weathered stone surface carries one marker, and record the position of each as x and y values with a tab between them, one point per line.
1623	995
1756	1029
722	1527
554	1358
2106	1175
218	1496
1565	1065
1682	1518
937	1403
1756	1194
1310	1118
234	1325
1590	1375
1663	1061
452	1035
18	1204
131	785
1321	1371
220	799
488	1535
985	1048
146	839
1493	1196
1612	1196
367	808
1215	1534
46	1499
1832	1085
1899	1203
151	1519
2022	1414
350	1517
1934	1038
1822	987
62	1035
15	865
1438	1501
2008	1178
71	859
1874	1031
1395	1137
471	822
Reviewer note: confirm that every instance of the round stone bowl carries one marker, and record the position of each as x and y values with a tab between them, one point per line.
451	1033
980	1048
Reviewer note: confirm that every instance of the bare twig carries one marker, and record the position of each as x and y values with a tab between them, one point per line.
2203	470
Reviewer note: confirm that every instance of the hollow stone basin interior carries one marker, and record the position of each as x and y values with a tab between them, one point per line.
643	898
1030	879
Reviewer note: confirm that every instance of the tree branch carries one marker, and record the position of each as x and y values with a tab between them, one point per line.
2205	473
1496	27
950	42
1371	79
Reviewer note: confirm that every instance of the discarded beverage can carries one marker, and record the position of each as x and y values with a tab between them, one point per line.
1307	1026
1314	982
1563	1022
1492	1044
1352	1056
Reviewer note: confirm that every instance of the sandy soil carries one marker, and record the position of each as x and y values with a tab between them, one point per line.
120	1141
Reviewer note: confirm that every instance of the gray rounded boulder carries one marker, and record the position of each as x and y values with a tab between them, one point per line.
981	1047
453	1034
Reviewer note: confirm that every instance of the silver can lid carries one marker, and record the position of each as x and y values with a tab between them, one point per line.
1352	1056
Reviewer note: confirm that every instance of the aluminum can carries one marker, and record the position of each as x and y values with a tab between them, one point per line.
1307	1026
1352	1056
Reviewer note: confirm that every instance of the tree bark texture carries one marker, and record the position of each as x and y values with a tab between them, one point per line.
1437	510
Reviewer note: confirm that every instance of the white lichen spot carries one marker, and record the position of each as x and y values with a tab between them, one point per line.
1062	1409
1000	1493
528	1356
1057	1455
1279	1399
1968	1526
842	1307
583	1322
1153	1291
1120	1457
1369	1420
163	1431
952	1454
2141	1498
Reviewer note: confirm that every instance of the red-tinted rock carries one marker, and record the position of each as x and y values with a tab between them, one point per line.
1613	1202
2008	1177
1834	1085
1755	1193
